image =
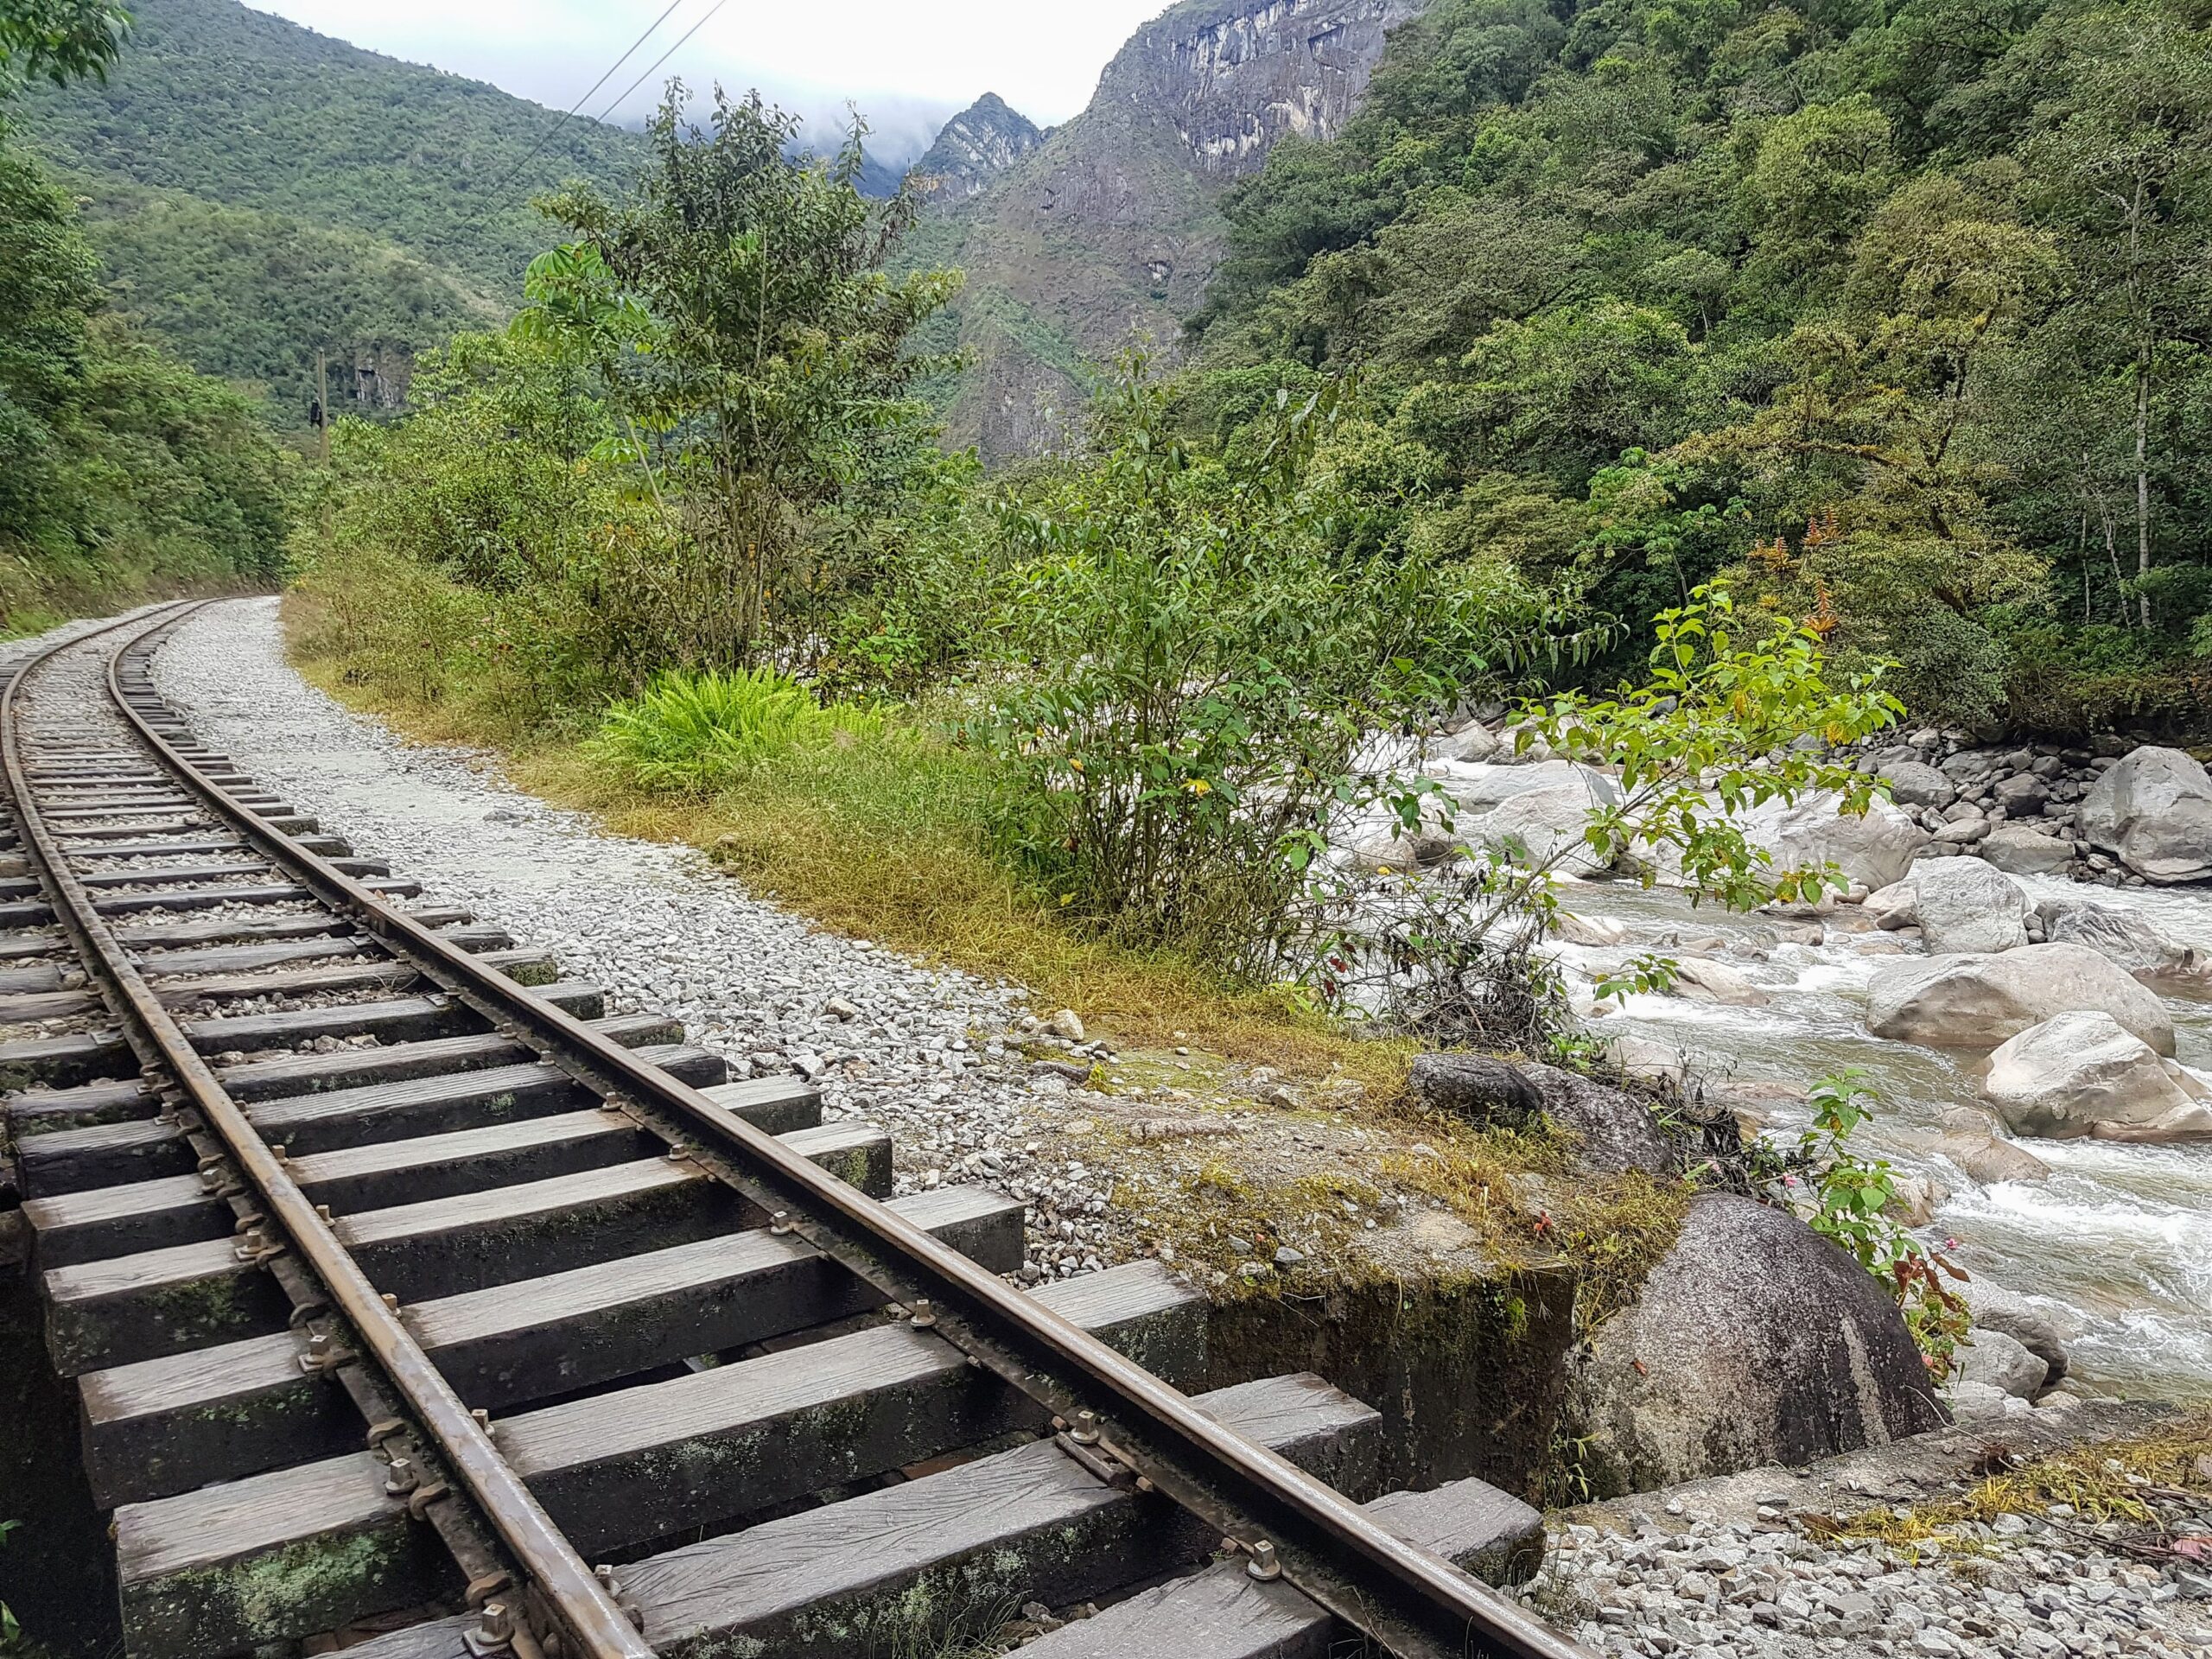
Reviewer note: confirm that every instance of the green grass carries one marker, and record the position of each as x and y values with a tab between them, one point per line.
693	734
886	832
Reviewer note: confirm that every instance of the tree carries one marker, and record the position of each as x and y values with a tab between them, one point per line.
61	40
1864	446
768	379
2121	158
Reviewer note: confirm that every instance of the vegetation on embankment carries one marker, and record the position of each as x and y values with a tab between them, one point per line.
887	839
123	475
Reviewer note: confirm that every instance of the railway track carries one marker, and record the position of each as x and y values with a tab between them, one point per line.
419	1306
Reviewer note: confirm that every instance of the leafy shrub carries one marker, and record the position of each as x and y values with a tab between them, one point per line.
1193	672
1846	1198
693	734
1455	958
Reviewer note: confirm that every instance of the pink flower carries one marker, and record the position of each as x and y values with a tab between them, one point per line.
1790	1180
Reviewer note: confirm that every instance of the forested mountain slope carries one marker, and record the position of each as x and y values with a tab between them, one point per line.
1106	233
259	192
1898	312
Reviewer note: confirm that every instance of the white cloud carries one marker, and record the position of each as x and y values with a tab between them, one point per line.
905	65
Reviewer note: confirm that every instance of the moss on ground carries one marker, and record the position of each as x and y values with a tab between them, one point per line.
2118	1480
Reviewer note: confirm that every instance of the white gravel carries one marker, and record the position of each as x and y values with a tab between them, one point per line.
923	1053
2020	1589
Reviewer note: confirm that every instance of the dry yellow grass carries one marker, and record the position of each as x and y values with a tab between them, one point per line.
884	846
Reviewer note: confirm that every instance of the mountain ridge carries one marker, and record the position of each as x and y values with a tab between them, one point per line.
1105	236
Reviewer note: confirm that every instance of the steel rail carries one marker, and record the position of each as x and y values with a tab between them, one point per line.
587	1613
1413	1603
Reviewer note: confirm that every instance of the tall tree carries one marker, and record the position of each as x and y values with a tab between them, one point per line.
2121	156
61	40
768	372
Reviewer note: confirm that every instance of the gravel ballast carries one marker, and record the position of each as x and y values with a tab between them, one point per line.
923	1052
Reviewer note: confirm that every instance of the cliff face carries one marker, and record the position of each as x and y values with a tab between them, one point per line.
1105	235
1235	76
977	145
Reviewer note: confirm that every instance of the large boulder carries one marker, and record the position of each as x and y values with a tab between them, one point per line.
1996	1308
1984	1158
1472	745
1499	783
2128	938
1616	1132
2003	1363
1914	783
2081	1074
1700	980
1754	1342
1540	824
2020	851
1980	1001
1875	849
2154	810
1962	905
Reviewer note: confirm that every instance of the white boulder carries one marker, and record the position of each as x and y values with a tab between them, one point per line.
2003	1363
1914	783
1701	980
1472	745
1538	825
1494	784
1978	1002
1875	849
1962	905
2083	1074
2128	937
2018	850
1599	932
1895	906
2154	810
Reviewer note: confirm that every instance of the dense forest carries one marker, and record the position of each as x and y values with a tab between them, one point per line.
259	191
122	470
1897	315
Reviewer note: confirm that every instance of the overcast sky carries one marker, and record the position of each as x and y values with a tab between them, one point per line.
908	64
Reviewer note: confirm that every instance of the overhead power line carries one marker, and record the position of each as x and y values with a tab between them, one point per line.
516	171
664	58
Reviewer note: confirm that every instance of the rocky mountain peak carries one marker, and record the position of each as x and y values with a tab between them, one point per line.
1236	75
977	145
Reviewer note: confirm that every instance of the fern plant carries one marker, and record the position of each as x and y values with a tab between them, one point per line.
694	733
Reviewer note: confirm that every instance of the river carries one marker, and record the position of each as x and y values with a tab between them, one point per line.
2116	1246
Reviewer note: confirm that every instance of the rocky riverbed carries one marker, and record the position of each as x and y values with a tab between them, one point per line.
2039	1030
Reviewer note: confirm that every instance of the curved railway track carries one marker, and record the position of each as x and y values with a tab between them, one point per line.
404	1289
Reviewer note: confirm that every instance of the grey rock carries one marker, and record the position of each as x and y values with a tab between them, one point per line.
2154	810
1990	1357
2128	937
2082	1074
1996	1308
1473	743
1978	1002
1984	1158
2025	852
1874	849
1963	905
2022	796
1914	783
1615	1130
1754	1342
1479	1087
